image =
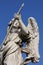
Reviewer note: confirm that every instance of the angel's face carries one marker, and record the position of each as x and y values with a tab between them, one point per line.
16	23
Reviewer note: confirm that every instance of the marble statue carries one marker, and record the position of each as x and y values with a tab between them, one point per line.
17	33
32	45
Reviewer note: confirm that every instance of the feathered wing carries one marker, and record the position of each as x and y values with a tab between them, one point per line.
32	46
34	34
33	27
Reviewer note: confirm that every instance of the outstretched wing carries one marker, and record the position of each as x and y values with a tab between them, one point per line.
34	34
33	27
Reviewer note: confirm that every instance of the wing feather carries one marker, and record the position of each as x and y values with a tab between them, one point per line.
33	27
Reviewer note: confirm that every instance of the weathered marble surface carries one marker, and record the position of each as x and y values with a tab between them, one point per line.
33	45
12	45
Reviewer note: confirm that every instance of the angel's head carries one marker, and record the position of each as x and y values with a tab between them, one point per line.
16	23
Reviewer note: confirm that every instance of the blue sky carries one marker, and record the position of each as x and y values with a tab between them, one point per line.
31	8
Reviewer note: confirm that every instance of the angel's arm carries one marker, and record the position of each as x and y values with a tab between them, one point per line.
24	28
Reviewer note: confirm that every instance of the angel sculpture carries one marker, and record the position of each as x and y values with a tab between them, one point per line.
10	51
17	33
32	41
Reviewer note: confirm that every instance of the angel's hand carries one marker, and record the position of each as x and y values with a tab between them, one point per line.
18	16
